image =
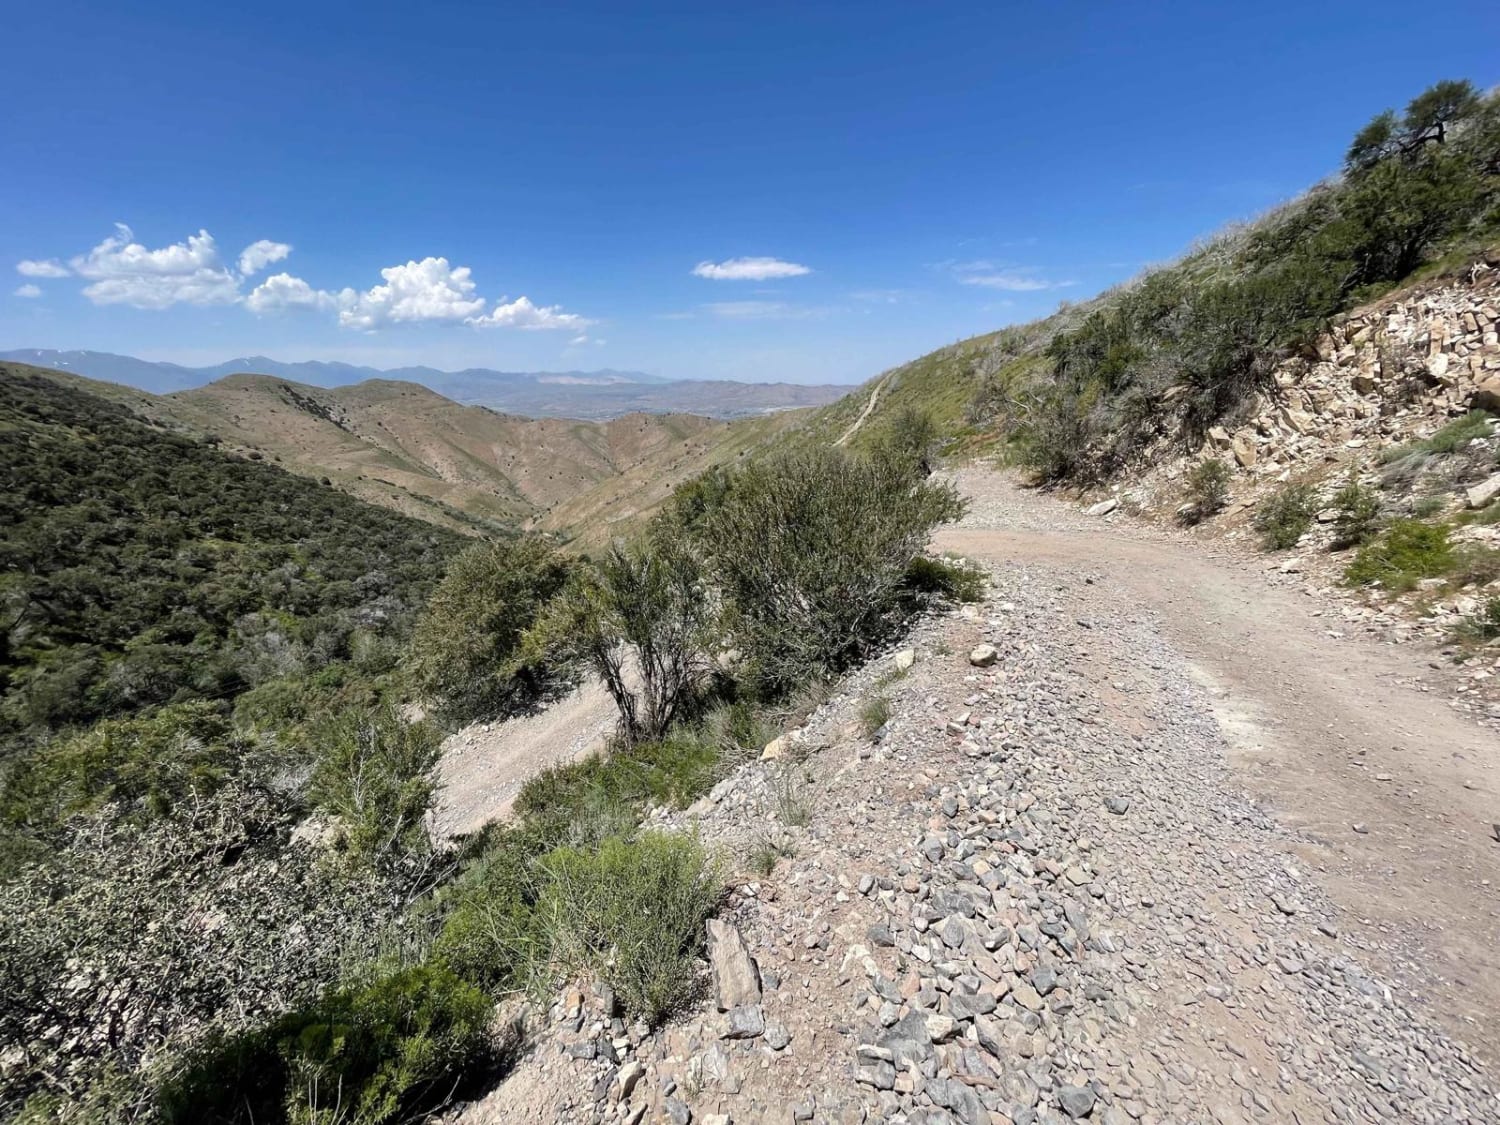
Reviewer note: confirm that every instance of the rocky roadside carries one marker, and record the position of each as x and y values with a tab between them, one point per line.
1034	895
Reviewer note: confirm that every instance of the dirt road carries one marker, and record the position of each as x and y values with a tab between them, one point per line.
1392	796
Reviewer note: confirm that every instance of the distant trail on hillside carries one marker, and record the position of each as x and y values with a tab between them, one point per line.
863	414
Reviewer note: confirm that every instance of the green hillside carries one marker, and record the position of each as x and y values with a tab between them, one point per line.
142	567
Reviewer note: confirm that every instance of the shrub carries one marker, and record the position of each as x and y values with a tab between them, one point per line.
1475	565
466	657
810	551
491	934
1408	552
374	773
951	580
1473	426
633	912
205	912
1285	517
789	791
1481	626
909	440
1356	515
387	1051
1207	488
146	764
874	713
642	615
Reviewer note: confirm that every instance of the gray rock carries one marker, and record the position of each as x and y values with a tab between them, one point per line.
736	976
677	1113
881	1075
983	656
777	1036
1117	805
1076	1101
952	1094
966	1005
746	1022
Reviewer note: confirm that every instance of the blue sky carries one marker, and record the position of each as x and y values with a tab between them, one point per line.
540	184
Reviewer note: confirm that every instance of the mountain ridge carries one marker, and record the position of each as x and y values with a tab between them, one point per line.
595	395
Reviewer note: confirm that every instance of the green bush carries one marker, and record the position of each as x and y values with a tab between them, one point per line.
874	713
491	934
633	912
147	764
810	551
1207	488
1284	518
569	800
387	1051
375	774
1474	565
467	659
1356	515
1408	552
950	580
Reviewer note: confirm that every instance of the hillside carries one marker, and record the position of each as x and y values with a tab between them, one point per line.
595	395
404	446
407	448
143	567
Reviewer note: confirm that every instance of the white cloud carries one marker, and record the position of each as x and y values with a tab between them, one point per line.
260	254
29	290
51	267
123	272
282	291
418	291
521	313
990	275
749	269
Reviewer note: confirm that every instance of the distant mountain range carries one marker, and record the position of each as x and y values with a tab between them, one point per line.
592	395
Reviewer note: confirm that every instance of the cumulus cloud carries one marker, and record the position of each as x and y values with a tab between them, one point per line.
51	267
418	291
521	313
28	290
282	291
749	269
260	254
123	272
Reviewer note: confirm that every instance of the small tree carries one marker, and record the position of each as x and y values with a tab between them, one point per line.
641	618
